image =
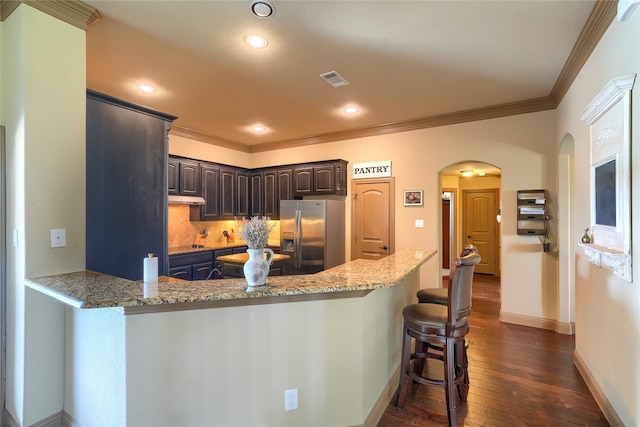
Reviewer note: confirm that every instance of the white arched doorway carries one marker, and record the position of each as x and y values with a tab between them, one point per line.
464	186
566	245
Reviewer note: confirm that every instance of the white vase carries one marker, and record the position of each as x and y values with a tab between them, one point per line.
256	269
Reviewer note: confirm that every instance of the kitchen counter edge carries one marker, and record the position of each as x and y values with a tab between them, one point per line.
89	289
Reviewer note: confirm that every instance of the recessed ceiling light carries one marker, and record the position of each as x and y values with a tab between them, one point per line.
466	173
351	110
482	173
262	9
259	128
256	41
146	88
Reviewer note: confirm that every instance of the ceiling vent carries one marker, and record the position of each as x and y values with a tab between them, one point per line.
334	79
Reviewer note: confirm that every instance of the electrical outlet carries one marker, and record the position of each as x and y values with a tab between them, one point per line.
419	223
291	399
58	238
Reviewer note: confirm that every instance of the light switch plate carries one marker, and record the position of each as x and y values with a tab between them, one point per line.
419	223
58	238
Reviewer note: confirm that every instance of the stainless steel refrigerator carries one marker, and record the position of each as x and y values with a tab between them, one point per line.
312	234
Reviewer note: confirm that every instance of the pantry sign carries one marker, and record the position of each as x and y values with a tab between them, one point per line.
372	169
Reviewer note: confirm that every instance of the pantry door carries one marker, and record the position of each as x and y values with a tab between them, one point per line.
372	218
479	213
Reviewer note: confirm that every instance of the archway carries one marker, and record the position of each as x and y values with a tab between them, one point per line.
460	184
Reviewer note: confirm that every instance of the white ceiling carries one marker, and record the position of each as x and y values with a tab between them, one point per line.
404	60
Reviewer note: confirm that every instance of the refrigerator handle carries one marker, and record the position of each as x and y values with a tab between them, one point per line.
297	239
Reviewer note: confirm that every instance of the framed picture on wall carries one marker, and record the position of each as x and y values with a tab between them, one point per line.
413	198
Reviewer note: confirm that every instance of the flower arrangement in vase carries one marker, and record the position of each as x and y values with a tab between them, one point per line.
255	232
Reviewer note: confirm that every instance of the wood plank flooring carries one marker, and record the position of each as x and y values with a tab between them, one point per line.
520	376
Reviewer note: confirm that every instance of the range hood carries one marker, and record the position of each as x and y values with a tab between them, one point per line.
185	200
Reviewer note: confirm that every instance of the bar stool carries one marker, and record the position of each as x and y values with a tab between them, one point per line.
440	296
446	326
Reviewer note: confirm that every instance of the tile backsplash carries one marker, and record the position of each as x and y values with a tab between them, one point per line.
183	232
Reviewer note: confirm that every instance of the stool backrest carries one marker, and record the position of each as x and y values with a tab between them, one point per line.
459	302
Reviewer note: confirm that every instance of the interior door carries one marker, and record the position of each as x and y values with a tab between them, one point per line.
372	214
479	212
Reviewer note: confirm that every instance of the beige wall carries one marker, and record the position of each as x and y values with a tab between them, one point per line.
43	105
607	310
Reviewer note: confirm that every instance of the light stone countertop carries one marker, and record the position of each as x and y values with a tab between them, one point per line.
88	289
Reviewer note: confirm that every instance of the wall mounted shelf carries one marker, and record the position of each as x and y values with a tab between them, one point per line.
617	261
532	212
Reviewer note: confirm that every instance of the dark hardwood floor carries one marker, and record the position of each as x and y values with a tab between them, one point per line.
520	376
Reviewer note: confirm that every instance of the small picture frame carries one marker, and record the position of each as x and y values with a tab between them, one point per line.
413	197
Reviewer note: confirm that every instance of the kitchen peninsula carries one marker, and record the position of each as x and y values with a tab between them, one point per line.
210	353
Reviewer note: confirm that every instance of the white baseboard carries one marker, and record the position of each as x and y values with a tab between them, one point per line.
601	399
8	420
538	322
61	419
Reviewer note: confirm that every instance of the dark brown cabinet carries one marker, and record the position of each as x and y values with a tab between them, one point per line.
285	185
256	192
126	186
189	180
303	181
242	195
192	266
232	192
173	175
210	178
271	201
321	178
183	176
325	179
227	193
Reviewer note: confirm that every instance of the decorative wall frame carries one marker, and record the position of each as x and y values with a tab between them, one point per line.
413	198
609	118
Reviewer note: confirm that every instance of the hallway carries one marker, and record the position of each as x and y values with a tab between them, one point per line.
520	376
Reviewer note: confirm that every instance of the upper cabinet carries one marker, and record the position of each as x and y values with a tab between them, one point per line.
242	196
173	175
322	178
232	192
183	177
210	181
189	181
285	184
227	192
126	206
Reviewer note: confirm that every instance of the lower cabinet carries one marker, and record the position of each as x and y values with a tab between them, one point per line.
192	266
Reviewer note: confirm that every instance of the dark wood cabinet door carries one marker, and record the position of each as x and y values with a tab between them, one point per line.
271	204
257	190
324	179
303	181
227	193
173	175
189	178
242	195
201	271
210	180
285	185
